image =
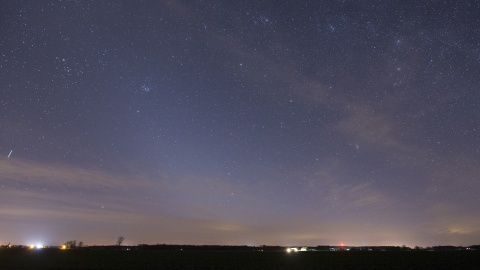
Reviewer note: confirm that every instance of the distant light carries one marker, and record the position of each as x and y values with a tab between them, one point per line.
32	246
39	246
64	247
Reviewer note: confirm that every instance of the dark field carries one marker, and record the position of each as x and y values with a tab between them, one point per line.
118	259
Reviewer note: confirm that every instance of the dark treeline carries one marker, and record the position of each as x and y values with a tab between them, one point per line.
193	247
282	248
172	247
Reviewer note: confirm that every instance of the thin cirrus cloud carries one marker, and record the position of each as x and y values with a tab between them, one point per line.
59	194
193	209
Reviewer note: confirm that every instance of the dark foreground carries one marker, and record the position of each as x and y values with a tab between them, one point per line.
122	259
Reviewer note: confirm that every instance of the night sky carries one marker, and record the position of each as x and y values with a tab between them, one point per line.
240	122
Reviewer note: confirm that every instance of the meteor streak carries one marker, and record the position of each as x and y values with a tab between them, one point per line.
10	153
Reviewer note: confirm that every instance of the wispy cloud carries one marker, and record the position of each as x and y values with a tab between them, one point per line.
22	172
446	222
326	182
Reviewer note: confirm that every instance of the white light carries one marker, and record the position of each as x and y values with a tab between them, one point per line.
292	249
39	246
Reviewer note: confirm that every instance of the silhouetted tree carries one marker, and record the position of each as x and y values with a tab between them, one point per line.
120	240
71	244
